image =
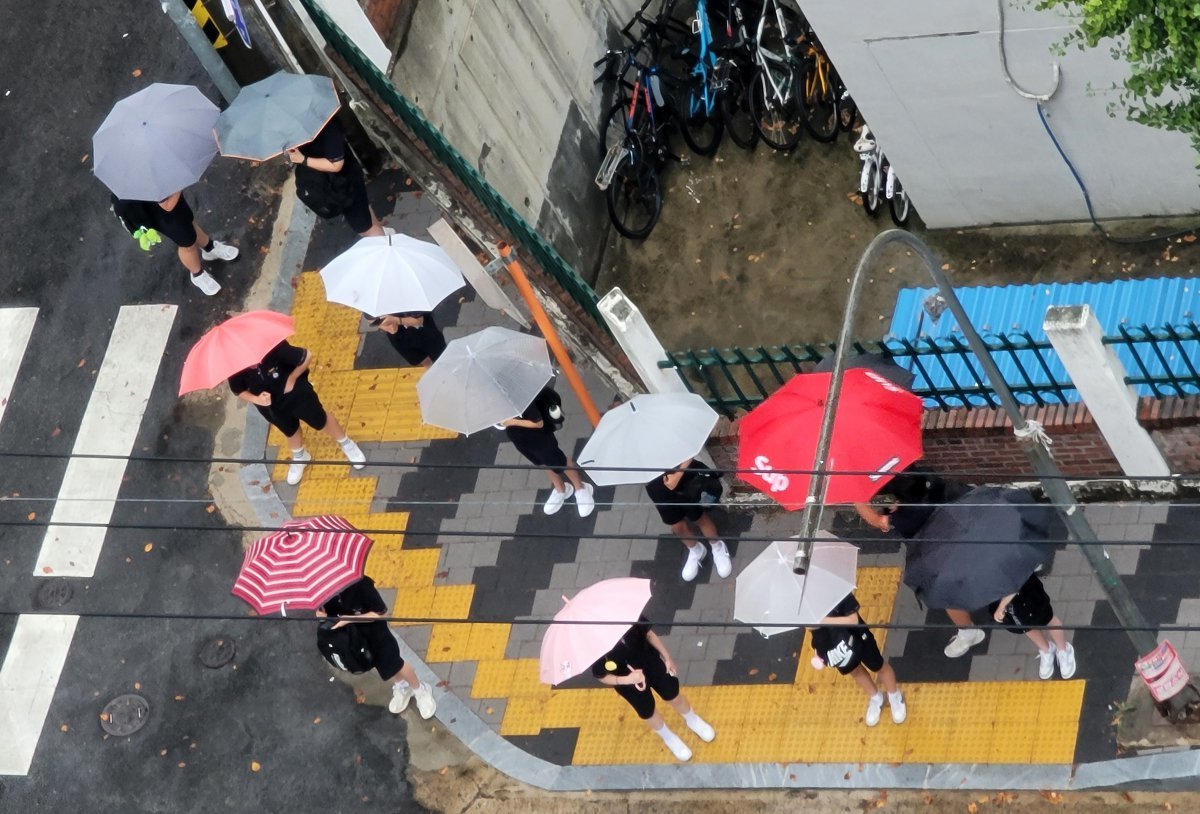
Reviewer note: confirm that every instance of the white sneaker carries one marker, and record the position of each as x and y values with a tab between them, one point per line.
401	695
874	710
1066	661
425	703
296	470
205	282
691	566
678	748
701	727
899	709
557	499
963	641
1046	662
351	451
220	251
584	500
721	560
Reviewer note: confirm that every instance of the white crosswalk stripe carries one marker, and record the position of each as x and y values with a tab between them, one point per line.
38	650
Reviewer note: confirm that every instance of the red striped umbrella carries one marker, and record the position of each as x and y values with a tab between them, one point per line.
302	565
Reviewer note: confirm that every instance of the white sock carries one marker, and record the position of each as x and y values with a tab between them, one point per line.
692	719
297	453
404	683
877	697
345	440
895	697
667	735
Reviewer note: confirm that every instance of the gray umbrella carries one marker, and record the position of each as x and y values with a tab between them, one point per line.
276	114
998	541
155	142
874	362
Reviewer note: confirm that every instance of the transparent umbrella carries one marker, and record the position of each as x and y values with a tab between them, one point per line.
775	600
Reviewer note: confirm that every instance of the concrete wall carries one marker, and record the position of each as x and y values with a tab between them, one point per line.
510	85
971	151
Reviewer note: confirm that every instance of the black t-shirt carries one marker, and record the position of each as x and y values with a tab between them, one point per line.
413	338
917	494
523	437
630	653
660	494
329	144
271	374
359	597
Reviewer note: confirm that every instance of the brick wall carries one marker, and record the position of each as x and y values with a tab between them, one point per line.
980	441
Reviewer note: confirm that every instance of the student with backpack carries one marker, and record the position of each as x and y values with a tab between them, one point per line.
172	217
532	433
330	181
356	645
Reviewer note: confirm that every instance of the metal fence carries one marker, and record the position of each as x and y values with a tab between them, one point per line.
1159	362
524	234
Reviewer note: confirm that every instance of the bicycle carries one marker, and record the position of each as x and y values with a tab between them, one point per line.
776	86
878	180
822	91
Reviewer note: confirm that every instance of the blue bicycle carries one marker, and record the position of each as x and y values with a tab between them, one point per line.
707	75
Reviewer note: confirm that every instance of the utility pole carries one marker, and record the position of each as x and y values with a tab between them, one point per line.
1029	437
202	48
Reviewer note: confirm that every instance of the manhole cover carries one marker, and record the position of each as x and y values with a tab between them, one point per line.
217	652
54	593
124	715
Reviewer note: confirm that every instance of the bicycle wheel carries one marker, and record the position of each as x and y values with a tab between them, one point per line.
899	205
735	109
701	120
634	197
873	197
819	99
773	105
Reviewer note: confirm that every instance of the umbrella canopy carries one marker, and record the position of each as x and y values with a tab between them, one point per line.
569	649
483	378
276	114
883	365
156	142
775	600
978	548
384	275
302	565
877	429
234	345
655	432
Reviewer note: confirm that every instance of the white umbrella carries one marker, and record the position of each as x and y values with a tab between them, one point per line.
774	600
483	378
389	274
655	432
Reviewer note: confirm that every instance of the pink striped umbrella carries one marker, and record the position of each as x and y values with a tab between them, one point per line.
302	565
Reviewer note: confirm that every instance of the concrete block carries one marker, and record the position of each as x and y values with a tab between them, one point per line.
462	675
485	553
643	549
458	554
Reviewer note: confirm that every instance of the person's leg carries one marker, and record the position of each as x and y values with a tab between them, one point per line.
1064	653
701	727
1038	638
886	677
189	256
707	527
584	501
683	530
333	428
1057	634
862	677
376	229
300	456
961	618
556	480
721	561
296	441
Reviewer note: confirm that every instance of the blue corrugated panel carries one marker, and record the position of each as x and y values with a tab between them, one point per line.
1017	311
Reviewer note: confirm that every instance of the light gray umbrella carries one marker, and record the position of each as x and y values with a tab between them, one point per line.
276	114
156	142
384	275
655	431
770	596
482	379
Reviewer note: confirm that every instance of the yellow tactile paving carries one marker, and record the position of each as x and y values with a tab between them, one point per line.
815	718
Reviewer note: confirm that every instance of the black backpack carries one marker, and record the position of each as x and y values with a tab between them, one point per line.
344	647
549	403
327	194
132	214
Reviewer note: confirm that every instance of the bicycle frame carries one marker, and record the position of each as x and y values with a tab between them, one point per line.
762	55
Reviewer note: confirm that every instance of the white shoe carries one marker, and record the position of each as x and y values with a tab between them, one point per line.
425	703
899	709
1066	661
1046	663
401	695
296	470
584	500
963	641
691	566
721	560
702	728
205	282
678	748
220	251
874	710
351	451
557	499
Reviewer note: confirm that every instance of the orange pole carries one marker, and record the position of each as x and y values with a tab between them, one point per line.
547	328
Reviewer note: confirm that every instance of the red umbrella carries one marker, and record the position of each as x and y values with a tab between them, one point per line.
302	565
877	429
234	345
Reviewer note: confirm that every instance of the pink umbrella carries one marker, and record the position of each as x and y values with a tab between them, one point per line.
234	345
570	648
302	565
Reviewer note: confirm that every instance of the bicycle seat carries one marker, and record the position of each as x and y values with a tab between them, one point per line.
865	144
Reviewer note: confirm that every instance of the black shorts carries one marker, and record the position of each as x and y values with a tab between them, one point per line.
846	647
658	680
299	405
178	224
672	513
418	344
1029	609
541	449
358	213
383	647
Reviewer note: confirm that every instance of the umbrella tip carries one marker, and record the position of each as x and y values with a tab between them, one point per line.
564	598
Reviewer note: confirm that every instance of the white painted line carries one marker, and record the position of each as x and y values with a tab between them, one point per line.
30	674
16	326
110	426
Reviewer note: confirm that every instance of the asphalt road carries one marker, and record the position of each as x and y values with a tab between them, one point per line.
269	731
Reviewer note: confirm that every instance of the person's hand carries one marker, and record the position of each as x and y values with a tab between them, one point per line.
341	623
882	522
670	663
295	156
508	422
288	386
636	678
412	322
263	399
999	614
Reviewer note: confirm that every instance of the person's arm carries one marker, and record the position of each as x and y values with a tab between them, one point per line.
522	422
842	621
1002	607
318	164
657	643
873	517
263	399
634	677
171	201
672	478
300	370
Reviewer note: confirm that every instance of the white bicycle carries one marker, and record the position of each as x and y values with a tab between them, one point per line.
878	180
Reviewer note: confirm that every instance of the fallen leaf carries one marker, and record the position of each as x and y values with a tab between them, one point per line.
255	766
488	710
1189	238
104	716
82	362
85	158
63	728
31	516
162	753
926	798
972	808
359	698
148	547
57	431
317	720
179	697
182	764
753	671
137	685
136	72
47	569
210	509
772	677
443	770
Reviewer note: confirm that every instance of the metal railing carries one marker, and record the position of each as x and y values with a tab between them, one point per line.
1159	362
522	232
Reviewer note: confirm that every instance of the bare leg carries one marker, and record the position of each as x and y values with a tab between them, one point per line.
680	704
864	680
961	618
296	442
1038	639
190	257
707	527
376	229
655	722
407	674
887	677
1057	634
332	428
684	532
426	362
573	474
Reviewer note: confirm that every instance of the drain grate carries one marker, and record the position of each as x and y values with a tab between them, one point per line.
217	652
124	715
54	593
